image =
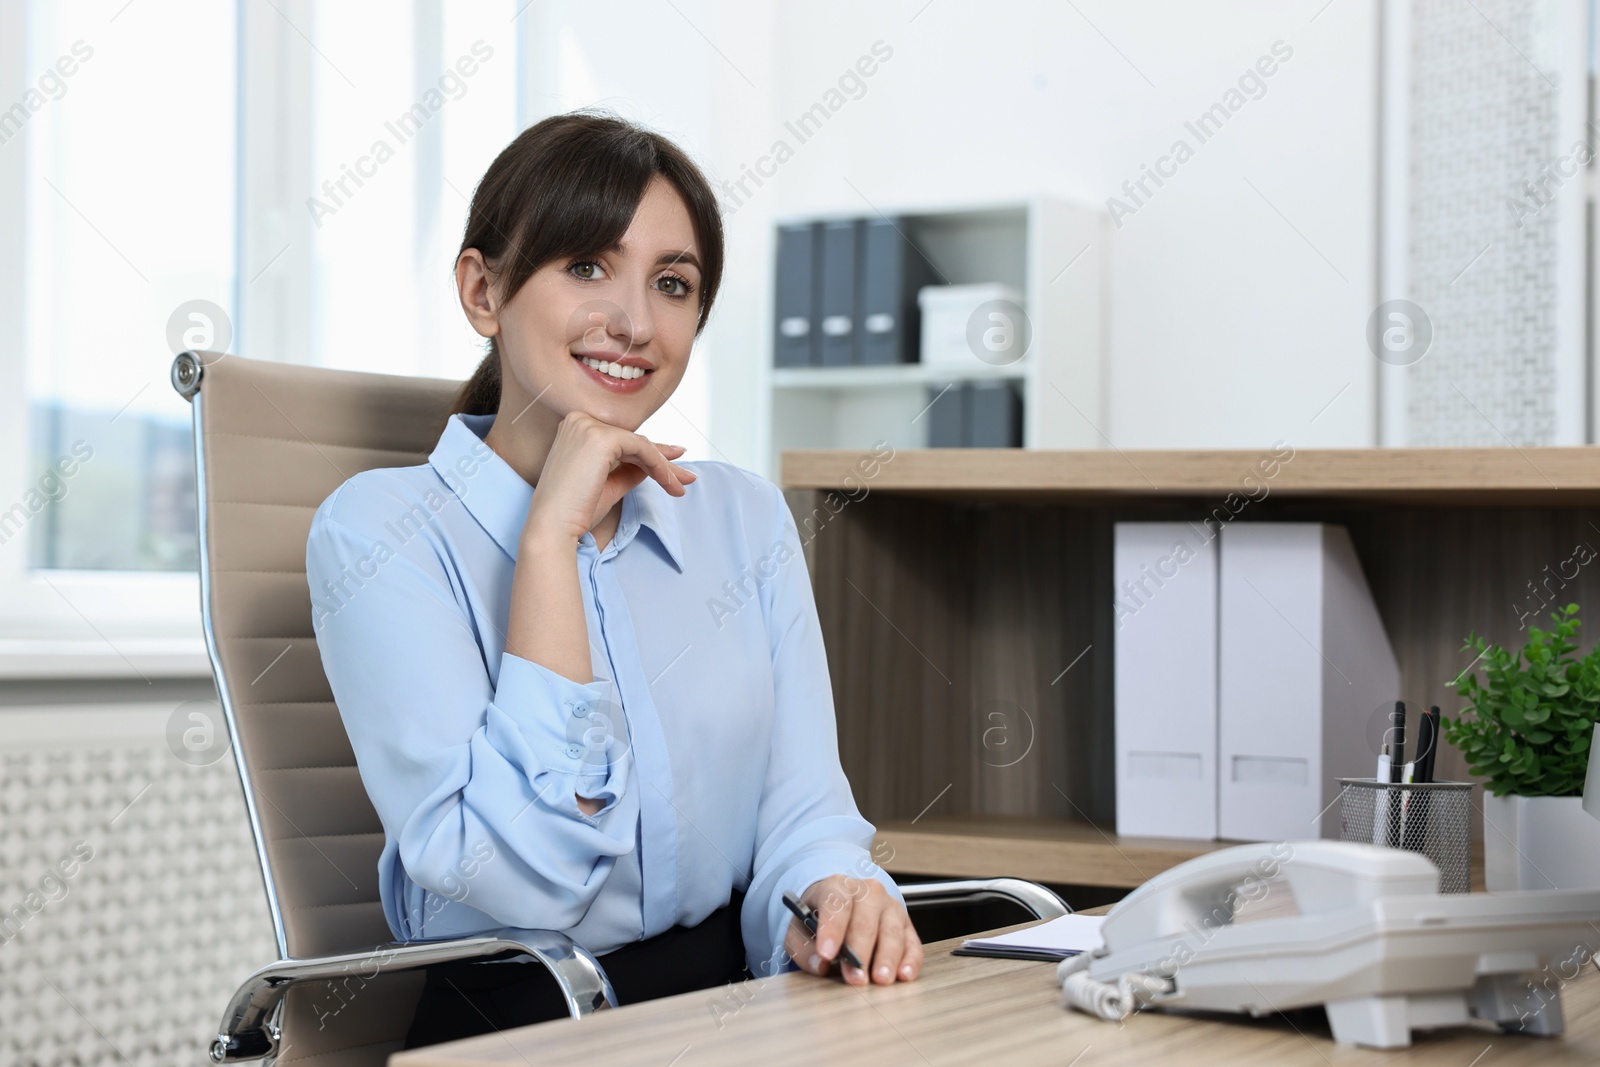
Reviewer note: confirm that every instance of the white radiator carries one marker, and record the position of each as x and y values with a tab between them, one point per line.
131	903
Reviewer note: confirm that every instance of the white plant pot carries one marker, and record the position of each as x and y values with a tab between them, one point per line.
1539	843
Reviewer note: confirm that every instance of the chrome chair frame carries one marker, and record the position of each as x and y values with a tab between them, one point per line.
250	1028
1044	903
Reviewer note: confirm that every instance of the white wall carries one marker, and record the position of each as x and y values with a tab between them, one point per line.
1231	325
650	63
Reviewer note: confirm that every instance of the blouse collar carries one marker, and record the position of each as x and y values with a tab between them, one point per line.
498	497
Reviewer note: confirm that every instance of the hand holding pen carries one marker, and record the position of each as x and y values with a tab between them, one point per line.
883	946
808	918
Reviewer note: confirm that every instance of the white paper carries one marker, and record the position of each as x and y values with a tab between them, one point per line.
1067	935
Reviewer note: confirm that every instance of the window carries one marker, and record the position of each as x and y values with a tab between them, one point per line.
409	112
128	181
286	181
172	190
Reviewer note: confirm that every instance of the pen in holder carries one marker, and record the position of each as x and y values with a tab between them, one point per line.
1433	818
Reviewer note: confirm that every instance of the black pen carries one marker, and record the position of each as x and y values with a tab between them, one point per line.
1397	742
1417	808
1430	722
808	918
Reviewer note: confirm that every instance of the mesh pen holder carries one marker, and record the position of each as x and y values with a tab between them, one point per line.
1433	818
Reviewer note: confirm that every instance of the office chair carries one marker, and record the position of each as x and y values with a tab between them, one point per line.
272	440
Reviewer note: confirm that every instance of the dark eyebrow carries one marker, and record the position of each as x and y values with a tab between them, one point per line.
666	259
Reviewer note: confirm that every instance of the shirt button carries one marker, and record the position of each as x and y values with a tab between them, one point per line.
579	709
574	750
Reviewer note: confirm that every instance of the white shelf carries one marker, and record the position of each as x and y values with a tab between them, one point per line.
1054	252
889	375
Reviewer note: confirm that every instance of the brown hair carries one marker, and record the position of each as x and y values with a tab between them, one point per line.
569	185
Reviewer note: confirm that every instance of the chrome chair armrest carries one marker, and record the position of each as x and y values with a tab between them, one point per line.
250	1028
1031	895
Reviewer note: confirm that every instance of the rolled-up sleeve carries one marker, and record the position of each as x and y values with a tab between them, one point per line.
808	825
455	755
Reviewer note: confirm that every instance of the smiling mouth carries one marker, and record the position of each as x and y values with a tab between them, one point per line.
614	370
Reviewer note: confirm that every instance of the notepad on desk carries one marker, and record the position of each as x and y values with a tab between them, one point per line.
1051	941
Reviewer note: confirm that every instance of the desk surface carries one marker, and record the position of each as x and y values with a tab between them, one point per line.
965	1010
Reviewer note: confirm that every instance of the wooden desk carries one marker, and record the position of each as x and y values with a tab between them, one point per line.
968	1010
967	614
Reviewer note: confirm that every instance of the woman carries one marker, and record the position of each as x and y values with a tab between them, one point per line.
585	684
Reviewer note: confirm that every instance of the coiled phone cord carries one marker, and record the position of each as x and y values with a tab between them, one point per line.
1112	1001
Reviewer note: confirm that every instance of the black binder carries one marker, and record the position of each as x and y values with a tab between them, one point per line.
945	415
838	284
795	302
887	320
980	414
993	415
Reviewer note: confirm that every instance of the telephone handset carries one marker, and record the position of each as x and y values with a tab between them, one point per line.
1268	927
1323	876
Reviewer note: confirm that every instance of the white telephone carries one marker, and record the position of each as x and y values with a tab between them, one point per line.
1358	928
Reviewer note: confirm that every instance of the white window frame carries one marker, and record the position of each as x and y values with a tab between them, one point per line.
137	625
66	622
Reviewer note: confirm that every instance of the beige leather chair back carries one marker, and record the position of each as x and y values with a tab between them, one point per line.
272	441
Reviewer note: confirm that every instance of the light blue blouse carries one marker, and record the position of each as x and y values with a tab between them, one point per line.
708	730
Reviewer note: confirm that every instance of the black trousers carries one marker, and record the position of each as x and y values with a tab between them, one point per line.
464	998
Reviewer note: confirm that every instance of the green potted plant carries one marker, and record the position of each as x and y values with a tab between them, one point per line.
1528	730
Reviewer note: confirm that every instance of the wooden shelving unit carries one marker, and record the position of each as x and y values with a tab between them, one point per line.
964	598
1059	851
1046	850
1489	476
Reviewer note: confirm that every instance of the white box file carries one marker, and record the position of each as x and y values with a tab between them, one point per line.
1165	586
1304	665
947	312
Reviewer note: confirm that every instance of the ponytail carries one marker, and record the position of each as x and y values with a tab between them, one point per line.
480	394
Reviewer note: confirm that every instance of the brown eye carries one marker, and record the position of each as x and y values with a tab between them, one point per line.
679	287
578	267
